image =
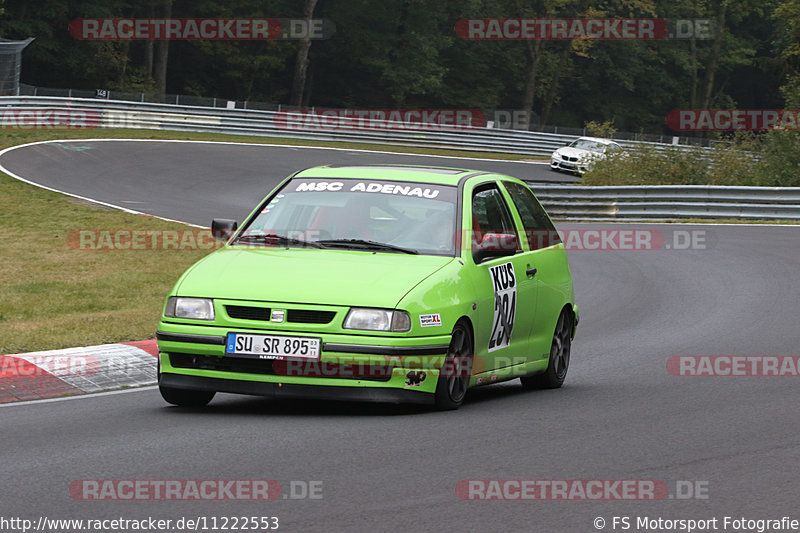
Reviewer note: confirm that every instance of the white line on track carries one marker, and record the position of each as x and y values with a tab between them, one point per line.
78	396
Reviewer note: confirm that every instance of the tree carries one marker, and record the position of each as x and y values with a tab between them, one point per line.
301	63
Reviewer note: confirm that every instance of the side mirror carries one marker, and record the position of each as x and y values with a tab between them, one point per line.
495	245
223	228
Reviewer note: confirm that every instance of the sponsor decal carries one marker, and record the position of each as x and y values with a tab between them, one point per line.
486	379
414	379
427	321
368	187
504	284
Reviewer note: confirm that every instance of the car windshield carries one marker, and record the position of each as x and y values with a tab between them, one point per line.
587	144
390	216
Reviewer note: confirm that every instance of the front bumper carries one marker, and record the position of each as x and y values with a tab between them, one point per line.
568	166
194	357
295	390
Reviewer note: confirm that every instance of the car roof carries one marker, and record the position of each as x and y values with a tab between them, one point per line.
596	139
422	174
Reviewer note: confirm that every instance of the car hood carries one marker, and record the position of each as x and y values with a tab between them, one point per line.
308	275
569	151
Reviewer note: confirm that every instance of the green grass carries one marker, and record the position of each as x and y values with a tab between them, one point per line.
57	296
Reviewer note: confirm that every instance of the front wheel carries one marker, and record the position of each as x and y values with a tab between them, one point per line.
557	366
186	397
455	373
183	397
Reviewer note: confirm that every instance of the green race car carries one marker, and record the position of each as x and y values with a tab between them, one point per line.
384	283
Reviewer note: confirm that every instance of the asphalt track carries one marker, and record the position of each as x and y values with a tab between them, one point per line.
193	181
620	415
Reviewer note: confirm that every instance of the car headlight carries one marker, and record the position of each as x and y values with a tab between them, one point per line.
195	308
377	320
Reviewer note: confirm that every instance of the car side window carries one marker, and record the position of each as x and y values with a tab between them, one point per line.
490	214
540	231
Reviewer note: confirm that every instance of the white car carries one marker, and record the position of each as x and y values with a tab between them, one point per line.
577	156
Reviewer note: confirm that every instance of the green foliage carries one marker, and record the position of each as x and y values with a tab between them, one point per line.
405	53
771	159
600	129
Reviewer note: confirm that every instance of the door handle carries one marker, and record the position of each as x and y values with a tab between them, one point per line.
531	272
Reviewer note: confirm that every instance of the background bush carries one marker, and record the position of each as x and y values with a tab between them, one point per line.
771	159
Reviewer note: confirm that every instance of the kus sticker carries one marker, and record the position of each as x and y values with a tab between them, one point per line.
427	321
504	284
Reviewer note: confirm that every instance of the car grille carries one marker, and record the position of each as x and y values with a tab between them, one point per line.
305	316
248	313
573	159
298	316
280	368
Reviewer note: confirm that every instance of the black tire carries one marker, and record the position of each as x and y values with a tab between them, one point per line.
186	397
454	379
558	364
183	397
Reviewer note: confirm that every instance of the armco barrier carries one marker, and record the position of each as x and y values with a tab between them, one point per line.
562	201
125	114
668	202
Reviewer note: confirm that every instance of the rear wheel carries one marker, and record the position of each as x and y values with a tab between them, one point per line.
454	377
557	366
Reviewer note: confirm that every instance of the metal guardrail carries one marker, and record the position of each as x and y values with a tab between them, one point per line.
668	202
126	114
561	201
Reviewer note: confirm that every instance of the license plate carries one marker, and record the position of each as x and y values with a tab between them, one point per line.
272	346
